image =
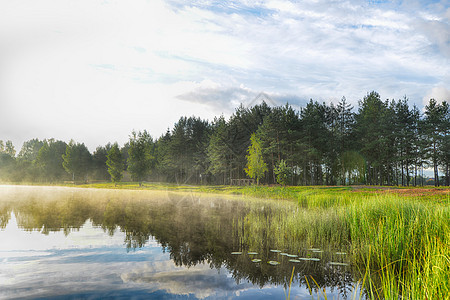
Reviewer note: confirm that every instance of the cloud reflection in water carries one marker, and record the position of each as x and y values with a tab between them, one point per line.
54	265
200	280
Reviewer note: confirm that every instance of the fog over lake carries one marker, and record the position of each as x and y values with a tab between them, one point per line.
85	243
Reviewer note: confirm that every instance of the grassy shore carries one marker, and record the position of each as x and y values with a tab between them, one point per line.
399	238
295	193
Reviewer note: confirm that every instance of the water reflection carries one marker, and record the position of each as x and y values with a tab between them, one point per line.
152	245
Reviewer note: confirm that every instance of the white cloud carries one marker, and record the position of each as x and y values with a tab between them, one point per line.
94	70
438	93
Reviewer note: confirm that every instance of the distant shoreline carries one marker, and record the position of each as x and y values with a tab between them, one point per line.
275	192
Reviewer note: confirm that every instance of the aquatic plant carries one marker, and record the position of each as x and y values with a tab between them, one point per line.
401	246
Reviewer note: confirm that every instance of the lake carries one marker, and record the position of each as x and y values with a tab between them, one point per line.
70	243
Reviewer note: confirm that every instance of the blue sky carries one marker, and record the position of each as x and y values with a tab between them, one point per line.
93	71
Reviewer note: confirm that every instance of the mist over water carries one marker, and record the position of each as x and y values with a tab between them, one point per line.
77	243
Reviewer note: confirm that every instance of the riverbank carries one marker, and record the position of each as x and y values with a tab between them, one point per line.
295	193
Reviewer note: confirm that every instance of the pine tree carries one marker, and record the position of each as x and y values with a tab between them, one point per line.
140	158
445	149
283	172
435	115
219	152
49	160
370	131
115	163
77	160
9	149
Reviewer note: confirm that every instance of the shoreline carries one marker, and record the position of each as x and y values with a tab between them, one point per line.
274	192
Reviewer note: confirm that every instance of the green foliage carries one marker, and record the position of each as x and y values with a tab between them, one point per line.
382	143
353	167
99	166
279	134
7	148
49	161
77	160
7	167
115	164
315	140
218	150
256	167
371	122
283	172
181	154
30	149
436	127
140	158
230	140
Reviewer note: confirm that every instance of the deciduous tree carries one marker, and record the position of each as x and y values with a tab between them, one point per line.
256	167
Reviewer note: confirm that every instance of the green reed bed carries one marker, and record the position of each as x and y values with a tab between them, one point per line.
287	228
405	243
400	246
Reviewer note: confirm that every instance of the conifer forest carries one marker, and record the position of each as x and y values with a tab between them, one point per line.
379	142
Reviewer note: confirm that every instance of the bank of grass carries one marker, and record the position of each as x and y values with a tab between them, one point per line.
405	245
398	238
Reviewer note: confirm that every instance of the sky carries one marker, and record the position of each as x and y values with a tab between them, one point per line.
94	70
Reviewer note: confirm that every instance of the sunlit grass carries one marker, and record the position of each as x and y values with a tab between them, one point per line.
400	244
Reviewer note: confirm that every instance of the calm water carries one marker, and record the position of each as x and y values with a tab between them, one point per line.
65	243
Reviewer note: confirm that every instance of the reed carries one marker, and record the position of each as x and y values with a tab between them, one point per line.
401	245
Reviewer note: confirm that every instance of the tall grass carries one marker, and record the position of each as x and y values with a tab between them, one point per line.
401	245
407	244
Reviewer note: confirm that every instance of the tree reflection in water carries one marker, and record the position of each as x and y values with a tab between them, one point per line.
193	228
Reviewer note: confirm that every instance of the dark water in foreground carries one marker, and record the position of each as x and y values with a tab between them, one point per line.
64	243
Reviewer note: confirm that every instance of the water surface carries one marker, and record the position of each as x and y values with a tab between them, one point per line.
84	243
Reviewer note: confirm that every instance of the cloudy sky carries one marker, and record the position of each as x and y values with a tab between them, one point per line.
93	71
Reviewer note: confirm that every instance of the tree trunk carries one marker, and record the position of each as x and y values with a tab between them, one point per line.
415	174
436	174
435	165
403	183
407	174
273	168
231	170
447	176
422	172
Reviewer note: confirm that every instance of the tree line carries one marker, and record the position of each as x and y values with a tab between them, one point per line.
380	143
